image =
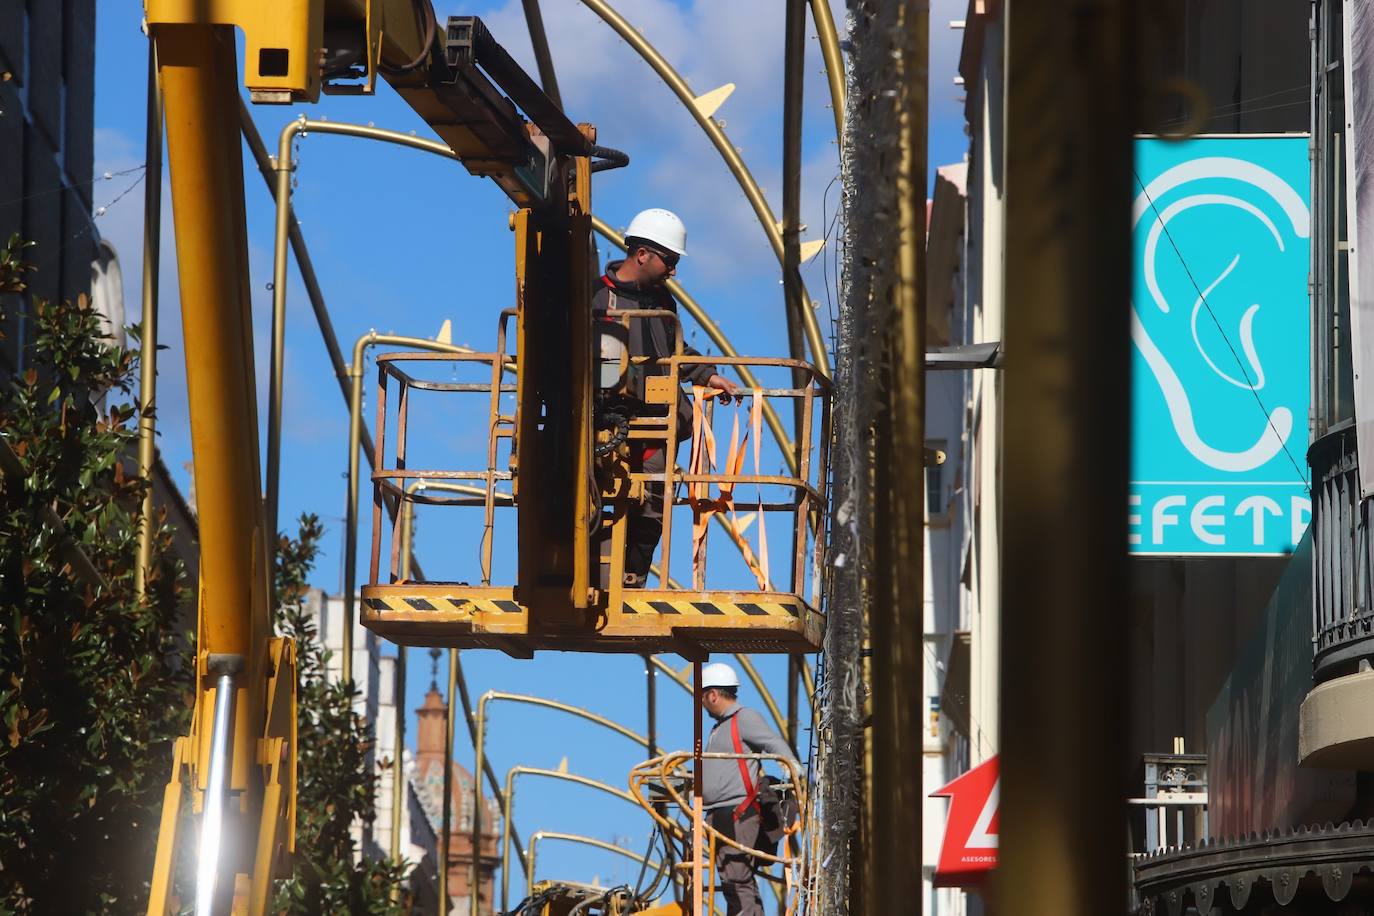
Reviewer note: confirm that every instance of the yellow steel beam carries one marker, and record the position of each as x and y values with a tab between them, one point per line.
199	77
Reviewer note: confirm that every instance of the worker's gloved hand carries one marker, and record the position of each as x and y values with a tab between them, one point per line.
727	388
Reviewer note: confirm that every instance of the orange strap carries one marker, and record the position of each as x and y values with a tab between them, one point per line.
751	791
756	426
703	461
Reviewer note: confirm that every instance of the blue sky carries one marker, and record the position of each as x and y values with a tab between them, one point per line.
403	240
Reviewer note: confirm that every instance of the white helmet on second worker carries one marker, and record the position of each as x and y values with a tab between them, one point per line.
718	674
662	227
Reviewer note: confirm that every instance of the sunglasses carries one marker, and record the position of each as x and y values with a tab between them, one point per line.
668	258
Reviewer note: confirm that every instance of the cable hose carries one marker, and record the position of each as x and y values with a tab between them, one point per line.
621	424
607	158
425	12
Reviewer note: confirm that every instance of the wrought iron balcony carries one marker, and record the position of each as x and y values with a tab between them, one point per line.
1342	550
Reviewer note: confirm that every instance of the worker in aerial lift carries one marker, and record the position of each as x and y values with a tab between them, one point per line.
654	242
730	789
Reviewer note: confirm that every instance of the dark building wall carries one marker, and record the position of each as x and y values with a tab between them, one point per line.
47	131
1189	618
1249	58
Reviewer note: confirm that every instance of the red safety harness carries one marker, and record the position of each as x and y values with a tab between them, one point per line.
751	796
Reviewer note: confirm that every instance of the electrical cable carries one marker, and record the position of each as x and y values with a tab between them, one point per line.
428	26
608	158
621	424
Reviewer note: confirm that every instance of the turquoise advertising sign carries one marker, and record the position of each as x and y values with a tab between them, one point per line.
1220	324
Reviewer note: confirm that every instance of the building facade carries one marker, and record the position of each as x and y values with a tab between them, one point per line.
1235	729
47	135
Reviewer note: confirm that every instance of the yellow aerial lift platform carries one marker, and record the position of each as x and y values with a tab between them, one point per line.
603	615
569	470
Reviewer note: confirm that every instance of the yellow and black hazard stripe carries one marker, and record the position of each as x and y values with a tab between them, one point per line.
442	604
717	607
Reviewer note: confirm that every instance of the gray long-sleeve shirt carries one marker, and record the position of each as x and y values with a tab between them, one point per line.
721	783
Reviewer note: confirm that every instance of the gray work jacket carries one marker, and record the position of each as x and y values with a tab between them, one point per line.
652	337
721	783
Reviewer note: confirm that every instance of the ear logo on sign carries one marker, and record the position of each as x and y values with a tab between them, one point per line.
1194	380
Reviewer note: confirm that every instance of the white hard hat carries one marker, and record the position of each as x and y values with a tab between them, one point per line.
662	227
718	674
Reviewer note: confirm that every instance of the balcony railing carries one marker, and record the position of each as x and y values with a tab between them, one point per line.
1342	554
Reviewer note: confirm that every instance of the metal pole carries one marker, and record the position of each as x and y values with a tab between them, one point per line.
486	768
1070	112
398	694
481	764
733	162
539	41
210	895
834	60
147	338
793	80
793	676
697	833
303	262
446	828
895	611
764	693
284	167
584	840
510	810
651	699
355	430
478	751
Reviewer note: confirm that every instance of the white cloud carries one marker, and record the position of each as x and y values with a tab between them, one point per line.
603	80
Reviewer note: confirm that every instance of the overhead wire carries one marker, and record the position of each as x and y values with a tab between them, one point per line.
104	176
1239	106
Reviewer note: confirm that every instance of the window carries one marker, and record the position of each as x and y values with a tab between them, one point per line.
935	481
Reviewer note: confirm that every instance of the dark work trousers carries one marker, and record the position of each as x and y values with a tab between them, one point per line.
646	522
735	869
644	526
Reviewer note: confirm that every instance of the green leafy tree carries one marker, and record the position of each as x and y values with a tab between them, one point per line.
93	681
336	786
95	684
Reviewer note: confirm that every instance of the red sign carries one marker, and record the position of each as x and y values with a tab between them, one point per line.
969	850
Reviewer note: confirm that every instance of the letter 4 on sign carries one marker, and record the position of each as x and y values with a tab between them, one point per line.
1220	329
969	850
